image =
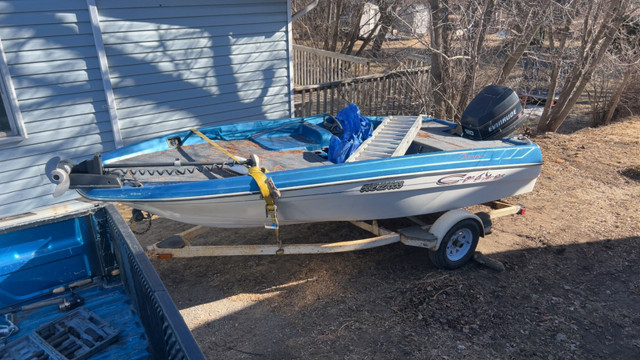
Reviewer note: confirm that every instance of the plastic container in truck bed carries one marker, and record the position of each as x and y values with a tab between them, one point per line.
77	285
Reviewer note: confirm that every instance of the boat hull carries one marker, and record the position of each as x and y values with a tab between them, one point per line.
364	199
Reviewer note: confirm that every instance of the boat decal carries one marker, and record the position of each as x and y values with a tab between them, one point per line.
503	120
381	186
408	175
467	156
464	178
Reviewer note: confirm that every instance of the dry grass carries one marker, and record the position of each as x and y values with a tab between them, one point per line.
570	290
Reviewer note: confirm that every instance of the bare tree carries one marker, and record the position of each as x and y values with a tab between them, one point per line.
459	30
386	22
440	37
522	31
625	56
566	16
336	26
601	21
480	14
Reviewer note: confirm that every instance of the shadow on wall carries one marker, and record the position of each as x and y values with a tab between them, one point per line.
176	68
159	94
167	74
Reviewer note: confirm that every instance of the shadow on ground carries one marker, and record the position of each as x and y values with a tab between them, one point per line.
571	301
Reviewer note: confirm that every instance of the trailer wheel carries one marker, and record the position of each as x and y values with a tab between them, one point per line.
457	246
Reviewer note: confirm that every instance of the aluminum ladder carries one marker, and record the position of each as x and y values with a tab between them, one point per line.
391	138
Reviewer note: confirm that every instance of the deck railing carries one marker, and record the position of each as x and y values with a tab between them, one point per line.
314	66
401	92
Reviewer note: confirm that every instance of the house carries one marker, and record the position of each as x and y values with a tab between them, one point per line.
78	77
369	19
414	20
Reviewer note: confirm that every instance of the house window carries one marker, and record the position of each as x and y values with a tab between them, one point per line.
5	125
11	126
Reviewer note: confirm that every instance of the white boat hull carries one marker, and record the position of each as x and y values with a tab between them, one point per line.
376	198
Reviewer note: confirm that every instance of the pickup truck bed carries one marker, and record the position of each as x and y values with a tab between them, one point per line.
77	286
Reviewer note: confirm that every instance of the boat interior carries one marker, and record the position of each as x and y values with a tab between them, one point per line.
294	146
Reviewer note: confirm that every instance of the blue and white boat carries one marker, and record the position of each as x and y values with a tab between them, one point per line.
408	166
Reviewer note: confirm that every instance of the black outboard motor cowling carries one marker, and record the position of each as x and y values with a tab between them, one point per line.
493	114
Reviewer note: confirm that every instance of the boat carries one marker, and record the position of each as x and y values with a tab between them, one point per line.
277	172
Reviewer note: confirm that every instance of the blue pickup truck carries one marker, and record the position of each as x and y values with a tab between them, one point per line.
75	284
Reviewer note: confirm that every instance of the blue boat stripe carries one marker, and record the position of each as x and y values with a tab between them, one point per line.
129	194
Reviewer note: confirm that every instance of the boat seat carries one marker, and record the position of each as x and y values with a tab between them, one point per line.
300	136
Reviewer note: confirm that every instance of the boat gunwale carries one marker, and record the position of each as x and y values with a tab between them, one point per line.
164	186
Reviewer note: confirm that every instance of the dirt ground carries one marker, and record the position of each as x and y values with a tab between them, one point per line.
571	288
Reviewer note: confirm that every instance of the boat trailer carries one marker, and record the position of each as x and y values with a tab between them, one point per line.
456	230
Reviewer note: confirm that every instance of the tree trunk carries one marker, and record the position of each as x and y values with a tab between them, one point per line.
440	17
387	19
470	77
348	45
336	27
613	104
367	41
327	26
514	57
555	73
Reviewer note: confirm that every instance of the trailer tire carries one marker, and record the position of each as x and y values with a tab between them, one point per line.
457	246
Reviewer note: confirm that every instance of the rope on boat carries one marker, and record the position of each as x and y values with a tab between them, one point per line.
265	184
267	188
269	193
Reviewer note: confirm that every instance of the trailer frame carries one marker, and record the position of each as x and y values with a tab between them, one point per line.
424	235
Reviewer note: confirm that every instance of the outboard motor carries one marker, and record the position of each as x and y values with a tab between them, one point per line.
493	114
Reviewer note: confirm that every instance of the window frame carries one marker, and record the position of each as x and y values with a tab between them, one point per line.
10	101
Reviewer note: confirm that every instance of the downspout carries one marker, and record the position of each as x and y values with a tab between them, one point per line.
104	73
293	18
306	9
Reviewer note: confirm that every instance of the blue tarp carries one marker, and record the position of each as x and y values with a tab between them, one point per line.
356	129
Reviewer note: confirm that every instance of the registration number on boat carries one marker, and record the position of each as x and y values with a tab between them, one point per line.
381	186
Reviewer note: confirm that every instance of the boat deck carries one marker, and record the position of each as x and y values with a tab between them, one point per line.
432	137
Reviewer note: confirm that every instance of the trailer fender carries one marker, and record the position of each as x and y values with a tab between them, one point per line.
447	220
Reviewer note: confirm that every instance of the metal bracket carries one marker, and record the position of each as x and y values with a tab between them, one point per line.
271	220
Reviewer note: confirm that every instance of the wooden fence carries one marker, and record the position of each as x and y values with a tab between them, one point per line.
402	92
314	66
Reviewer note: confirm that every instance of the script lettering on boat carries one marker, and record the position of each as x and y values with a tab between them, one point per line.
382	186
468	178
465	156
